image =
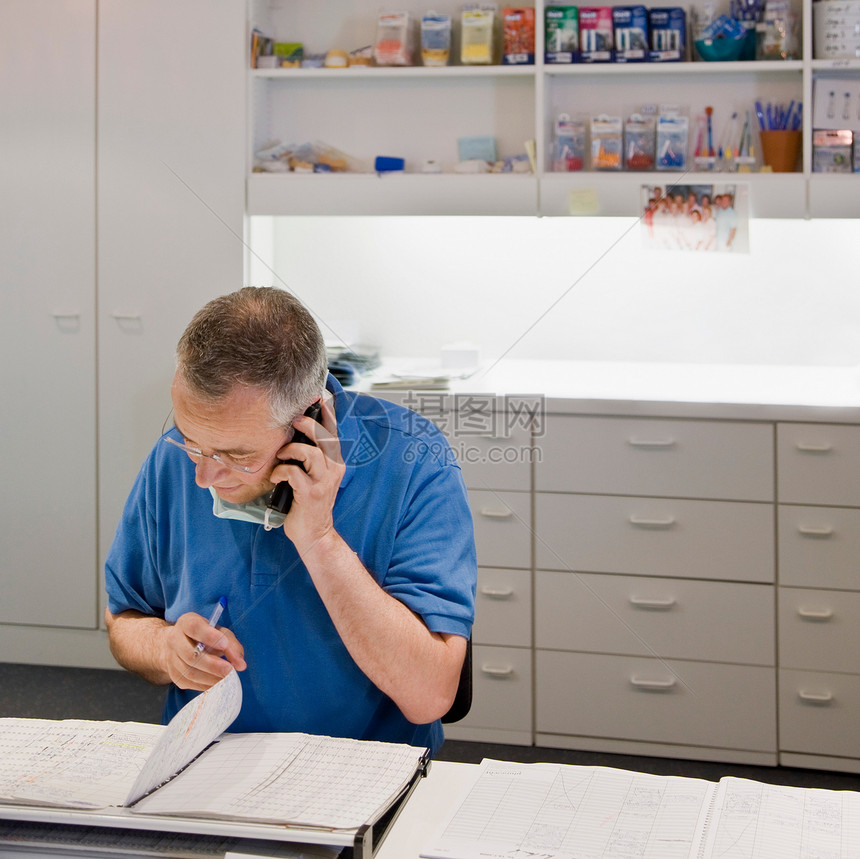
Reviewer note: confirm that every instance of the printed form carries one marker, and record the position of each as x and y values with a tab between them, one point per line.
552	811
549	811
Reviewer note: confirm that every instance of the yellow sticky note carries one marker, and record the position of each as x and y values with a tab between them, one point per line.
583	201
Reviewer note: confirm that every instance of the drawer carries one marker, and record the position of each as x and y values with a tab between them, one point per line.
503	528
819	547
651	700
819	630
655	537
626	456
673	618
495	459
501	689
503	608
818	713
818	464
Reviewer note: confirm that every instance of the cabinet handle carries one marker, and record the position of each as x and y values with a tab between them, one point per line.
126	317
498	670
813	531
815	614
645	522
815	697
493	513
497	593
809	447
70	315
656	685
651	442
658	605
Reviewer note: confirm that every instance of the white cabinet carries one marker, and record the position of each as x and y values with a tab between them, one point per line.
419	113
654	620
171	167
493	444
47	314
819	594
502	634
123	197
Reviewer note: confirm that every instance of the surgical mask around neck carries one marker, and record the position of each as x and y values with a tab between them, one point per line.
253	511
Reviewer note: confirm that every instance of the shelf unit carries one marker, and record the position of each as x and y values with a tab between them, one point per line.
419	113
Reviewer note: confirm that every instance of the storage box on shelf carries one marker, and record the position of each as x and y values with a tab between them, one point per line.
654	626
819	595
419	113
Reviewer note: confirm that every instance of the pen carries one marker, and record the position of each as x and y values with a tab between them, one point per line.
213	620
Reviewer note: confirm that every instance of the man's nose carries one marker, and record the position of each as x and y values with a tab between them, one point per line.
207	471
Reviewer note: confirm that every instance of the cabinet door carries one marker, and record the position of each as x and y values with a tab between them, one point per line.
501	698
819	630
819	464
818	713
171	202
819	547
641	616
651	700
47	295
503	528
503	608
683	459
720	540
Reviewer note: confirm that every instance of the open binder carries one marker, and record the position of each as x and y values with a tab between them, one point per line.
191	777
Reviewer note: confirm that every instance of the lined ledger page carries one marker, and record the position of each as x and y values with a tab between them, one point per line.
72	763
556	811
316	781
777	822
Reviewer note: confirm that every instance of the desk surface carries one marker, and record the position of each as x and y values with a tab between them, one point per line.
721	391
434	797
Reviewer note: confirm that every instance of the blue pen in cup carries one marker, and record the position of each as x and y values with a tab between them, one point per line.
213	620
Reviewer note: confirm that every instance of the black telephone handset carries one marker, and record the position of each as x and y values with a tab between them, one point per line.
282	494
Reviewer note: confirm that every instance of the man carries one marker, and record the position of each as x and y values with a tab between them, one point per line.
727	221
351	618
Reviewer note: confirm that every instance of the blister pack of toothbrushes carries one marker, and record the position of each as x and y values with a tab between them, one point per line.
630	25
668	28
672	135
595	34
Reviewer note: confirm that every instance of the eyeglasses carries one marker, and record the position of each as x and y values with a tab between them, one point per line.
225	460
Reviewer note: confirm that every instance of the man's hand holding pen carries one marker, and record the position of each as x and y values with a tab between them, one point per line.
190	666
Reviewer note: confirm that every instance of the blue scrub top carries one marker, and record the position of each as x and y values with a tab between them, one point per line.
401	506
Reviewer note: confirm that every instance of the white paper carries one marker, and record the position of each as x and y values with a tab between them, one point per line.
72	763
549	811
190	731
775	821
324	782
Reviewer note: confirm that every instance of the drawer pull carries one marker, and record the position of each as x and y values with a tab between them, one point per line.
815	697
809	447
653	685
494	513
126	317
497	593
816	614
654	605
645	522
813	531
651	442
498	670
72	314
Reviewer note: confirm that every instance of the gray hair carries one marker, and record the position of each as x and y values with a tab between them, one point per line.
259	337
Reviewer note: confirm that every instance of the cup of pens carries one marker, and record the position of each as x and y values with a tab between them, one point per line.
780	150
781	138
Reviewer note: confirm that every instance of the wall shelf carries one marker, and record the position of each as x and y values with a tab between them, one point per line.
419	113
